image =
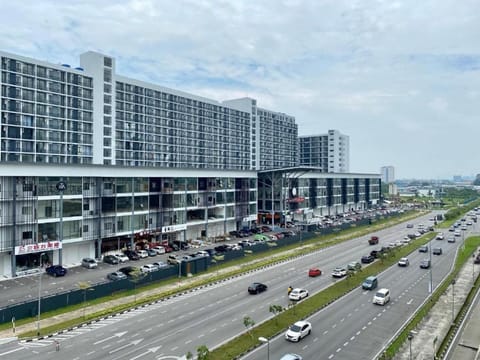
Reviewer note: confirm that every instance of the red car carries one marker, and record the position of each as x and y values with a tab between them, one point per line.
314	272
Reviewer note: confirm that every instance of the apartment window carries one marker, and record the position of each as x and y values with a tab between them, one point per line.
85	228
26	235
26	210
107	142
107	131
107	61
107	75
107	88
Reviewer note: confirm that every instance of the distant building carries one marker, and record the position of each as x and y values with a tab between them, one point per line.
387	174
330	152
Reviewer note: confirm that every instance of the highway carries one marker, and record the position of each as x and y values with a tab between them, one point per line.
214	314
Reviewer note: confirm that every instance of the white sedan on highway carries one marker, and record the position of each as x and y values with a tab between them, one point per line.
298	294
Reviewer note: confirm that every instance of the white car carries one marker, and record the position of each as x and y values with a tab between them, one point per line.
339	272
298	331
159	249
298	294
142	254
403	262
440	236
147	268
122	258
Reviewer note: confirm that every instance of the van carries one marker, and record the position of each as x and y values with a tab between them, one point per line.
370	283
382	297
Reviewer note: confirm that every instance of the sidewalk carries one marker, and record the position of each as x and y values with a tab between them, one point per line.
434	327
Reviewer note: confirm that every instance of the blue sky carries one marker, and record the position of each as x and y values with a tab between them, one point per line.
401	78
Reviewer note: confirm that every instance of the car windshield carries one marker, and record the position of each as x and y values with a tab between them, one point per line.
295	328
380	294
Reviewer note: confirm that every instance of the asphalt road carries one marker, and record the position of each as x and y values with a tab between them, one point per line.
212	315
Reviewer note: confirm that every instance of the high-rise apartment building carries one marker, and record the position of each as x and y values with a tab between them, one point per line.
387	174
330	152
92	161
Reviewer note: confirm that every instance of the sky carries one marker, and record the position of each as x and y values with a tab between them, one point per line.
400	78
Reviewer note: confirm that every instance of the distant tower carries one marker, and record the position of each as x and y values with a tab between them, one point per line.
388	174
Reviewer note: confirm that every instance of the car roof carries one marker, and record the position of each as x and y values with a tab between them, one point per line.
301	323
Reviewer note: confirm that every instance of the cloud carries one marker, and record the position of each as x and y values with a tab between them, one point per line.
368	69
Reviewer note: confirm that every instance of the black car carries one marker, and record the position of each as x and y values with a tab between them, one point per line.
129	270
110	259
56	270
375	253
132	255
367	259
256	288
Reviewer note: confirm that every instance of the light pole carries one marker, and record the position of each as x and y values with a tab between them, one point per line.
473	269
39	294
61	187
430	284
453	301
266	341
410	338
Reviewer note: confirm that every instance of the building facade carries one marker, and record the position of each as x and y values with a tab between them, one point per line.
92	162
387	174
329	152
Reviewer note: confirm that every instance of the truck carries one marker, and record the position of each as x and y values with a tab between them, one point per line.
373	240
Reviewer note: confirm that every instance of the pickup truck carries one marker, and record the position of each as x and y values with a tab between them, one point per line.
373	240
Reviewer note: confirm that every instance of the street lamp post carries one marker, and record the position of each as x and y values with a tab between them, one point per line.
39	294
61	187
453	301
266	341
473	269
430	284
410	338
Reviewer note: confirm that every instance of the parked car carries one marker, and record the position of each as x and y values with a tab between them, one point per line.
160	264
298	294
403	262
151	252
147	268
256	288
142	254
313	272
339	272
367	259
122	258
132	255
129	271
173	259
116	275
89	263
298	331
110	259
425	264
56	270
159	249
437	251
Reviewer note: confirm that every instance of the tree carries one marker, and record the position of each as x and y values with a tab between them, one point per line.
203	353
249	323
275	309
